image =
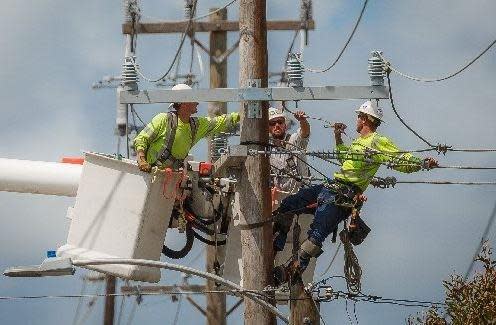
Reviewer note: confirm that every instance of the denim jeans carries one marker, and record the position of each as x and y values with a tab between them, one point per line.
326	218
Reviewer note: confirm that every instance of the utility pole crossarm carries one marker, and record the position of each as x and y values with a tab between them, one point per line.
254	94
167	27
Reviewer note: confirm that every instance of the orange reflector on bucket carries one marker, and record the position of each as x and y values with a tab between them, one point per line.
73	160
205	168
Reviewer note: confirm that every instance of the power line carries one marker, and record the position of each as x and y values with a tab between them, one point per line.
333	295
183	37
483	239
388	65
178	310
197	17
345	45
388	72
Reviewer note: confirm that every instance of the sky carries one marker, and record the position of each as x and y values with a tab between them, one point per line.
421	234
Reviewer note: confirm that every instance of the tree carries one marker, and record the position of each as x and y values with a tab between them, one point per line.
467	301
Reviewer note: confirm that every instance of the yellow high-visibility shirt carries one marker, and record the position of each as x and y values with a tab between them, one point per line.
153	137
361	160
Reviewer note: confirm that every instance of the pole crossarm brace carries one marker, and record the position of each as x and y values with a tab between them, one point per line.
253	94
166	27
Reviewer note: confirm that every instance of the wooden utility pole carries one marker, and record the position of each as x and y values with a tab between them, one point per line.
304	311
216	302
108	318
253	188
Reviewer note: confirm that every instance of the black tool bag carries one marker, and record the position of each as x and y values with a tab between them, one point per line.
357	231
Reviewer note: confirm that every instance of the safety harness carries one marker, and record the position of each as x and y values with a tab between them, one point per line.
165	156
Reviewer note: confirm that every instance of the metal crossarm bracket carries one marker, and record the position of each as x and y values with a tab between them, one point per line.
254	94
254	108
232	159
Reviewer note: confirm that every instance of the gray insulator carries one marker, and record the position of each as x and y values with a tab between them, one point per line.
306	12
217	145
188	9
129	73
376	69
294	70
131	8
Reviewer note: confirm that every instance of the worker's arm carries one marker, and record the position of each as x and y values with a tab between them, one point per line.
150	132
341	148
404	162
208	126
146	137
300	116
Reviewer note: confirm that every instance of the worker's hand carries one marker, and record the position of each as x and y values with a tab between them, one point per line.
430	163
143	165
360	198
339	128
300	116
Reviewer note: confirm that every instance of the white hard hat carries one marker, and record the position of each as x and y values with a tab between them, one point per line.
276	113
371	108
179	87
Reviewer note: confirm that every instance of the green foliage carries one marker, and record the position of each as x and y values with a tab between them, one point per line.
470	302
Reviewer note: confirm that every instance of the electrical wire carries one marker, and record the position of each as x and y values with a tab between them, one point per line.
345	45
183	37
445	183
378	299
121	310
80	302
132	313
197	17
490	222
332	260
441	78
178	310
388	72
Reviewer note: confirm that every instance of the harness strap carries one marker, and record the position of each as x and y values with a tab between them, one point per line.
193	123
170	134
165	153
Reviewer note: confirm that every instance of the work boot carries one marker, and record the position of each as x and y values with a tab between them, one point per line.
283	273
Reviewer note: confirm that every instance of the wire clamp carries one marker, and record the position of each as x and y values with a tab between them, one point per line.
442	148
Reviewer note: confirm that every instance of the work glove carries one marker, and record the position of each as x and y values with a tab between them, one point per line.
430	163
339	128
143	165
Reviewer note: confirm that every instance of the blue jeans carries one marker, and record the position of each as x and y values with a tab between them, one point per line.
326	218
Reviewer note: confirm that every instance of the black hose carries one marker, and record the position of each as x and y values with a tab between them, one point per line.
190	238
208	241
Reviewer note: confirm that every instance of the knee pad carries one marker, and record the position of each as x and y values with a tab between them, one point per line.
310	249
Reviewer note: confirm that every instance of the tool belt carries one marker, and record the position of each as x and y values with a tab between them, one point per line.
171	162
358	230
345	192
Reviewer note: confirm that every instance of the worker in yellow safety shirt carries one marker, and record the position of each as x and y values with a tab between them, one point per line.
335	198
168	138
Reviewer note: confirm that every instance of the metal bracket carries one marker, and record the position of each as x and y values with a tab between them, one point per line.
254	108
50	267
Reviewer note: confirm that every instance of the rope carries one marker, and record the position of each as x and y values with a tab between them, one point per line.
345	45
441	78
352	269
